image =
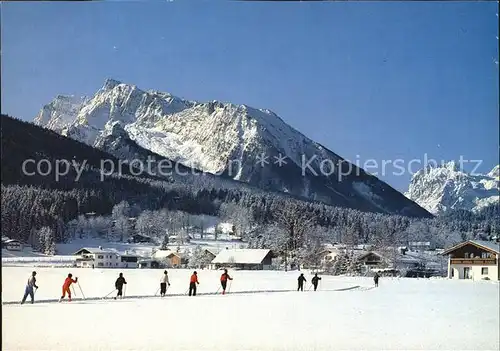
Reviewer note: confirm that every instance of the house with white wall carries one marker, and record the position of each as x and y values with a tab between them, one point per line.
474	259
249	259
97	257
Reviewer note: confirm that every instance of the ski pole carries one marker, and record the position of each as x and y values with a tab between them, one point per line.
112	291
124	290
74	292
81	290
156	293
229	287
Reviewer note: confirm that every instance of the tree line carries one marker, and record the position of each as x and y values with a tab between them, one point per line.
266	219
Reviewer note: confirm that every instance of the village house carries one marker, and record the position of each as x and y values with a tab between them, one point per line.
170	258
211	254
129	260
329	255
104	258
250	259
175	260
396	262
418	246
139	239
97	257
12	244
372	260
180	239
150	263
474	259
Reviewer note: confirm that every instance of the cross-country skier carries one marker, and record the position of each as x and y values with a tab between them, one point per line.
66	285
29	288
119	285
192	284
163	284
301	280
315	280
375	278
223	280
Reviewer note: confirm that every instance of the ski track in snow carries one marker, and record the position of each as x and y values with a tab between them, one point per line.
79	299
262	311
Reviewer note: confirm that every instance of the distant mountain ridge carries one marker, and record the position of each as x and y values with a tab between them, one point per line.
446	187
236	141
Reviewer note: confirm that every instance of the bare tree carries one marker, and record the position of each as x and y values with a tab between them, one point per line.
387	242
295	222
239	216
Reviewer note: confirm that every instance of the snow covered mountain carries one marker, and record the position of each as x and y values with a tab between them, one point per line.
438	189
60	113
235	141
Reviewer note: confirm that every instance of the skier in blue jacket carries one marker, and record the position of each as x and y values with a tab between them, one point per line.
29	288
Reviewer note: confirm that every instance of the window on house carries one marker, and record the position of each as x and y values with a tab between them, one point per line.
100	257
466	255
99	264
484	270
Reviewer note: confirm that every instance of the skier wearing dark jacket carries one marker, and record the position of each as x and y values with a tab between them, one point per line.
29	288
119	285
301	280
223	281
315	280
375	279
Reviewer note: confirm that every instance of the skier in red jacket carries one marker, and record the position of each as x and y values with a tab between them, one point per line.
66	285
192	284
223	280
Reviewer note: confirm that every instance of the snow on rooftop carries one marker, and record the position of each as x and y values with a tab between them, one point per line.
96	250
247	256
159	254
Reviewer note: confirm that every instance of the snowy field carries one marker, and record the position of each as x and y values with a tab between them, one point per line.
401	314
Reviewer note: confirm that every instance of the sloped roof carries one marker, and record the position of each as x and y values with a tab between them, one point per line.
244	256
162	253
211	250
11	241
398	257
492	245
96	250
488	245
371	253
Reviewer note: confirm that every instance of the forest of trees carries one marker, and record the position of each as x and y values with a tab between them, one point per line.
266	221
43	211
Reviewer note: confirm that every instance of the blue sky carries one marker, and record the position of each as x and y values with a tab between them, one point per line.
368	80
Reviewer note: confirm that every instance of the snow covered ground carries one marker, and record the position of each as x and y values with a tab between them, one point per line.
407	314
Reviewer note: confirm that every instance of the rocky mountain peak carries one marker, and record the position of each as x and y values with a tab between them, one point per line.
223	139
